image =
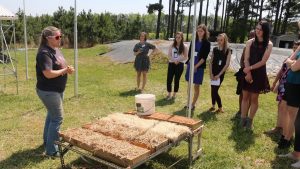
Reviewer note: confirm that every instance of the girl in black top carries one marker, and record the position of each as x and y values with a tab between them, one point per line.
177	56
220	60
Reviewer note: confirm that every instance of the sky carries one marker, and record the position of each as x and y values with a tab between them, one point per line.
39	7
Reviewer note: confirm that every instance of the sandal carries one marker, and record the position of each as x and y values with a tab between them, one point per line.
211	109
220	110
168	97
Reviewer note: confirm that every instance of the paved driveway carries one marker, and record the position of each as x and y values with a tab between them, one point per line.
122	53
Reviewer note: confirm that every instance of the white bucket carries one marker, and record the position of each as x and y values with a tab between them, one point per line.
146	103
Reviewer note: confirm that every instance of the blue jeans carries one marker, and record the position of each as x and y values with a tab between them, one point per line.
53	103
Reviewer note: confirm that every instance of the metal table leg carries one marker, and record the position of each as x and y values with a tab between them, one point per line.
61	154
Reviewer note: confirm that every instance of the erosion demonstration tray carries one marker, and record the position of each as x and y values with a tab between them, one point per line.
123	140
189	122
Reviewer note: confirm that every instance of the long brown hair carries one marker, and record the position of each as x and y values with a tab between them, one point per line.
181	45
48	31
206	33
266	33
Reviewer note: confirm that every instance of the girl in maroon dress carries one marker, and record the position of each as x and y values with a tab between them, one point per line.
257	53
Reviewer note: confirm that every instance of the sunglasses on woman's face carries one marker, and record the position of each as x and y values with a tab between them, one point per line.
56	37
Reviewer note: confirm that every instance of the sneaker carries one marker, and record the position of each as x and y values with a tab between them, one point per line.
289	155
52	156
296	165
249	124
193	108
243	122
276	130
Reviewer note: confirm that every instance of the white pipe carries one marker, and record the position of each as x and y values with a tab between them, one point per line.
75	51
25	41
192	60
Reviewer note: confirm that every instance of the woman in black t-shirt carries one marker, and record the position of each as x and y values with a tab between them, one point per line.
51	72
220	60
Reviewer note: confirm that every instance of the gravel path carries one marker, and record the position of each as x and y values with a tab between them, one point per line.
122	53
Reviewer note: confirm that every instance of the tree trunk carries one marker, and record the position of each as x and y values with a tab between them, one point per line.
206	12
189	20
200	12
181	18
257	7
287	15
280	16
158	22
223	8
261	9
172	18
176	19
216	16
227	18
252	10
275	30
169	19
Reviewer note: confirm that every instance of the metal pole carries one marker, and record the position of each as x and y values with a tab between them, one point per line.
25	41
75	51
192	60
16	70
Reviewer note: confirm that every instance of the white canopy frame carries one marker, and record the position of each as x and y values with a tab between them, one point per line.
192	61
8	63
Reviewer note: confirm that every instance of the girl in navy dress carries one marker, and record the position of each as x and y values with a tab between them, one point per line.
202	49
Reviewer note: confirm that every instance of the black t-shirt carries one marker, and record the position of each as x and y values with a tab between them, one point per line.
219	60
50	59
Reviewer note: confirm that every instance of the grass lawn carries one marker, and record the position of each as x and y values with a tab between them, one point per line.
104	88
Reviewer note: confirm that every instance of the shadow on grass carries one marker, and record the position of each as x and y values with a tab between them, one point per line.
85	163
21	159
281	163
163	159
166	160
164	102
243	138
207	116
129	93
182	112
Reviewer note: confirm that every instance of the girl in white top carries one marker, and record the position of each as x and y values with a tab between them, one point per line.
178	54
